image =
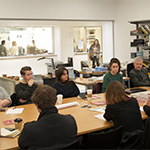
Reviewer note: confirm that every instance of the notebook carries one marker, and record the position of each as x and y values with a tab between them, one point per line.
135	90
7	133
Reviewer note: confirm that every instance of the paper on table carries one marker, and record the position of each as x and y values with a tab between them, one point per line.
99	109
7	133
141	109
14	111
67	105
100	116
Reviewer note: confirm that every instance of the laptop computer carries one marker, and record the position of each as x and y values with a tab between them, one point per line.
135	90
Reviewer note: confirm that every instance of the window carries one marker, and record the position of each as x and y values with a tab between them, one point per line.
84	37
27	40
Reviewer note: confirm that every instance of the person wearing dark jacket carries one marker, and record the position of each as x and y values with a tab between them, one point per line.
52	130
63	85
124	111
138	75
26	87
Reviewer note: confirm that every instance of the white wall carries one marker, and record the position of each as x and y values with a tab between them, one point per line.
12	67
58	9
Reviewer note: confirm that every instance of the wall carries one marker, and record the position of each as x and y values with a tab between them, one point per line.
58	9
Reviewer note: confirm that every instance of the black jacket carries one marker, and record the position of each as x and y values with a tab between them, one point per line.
139	78
66	90
51	130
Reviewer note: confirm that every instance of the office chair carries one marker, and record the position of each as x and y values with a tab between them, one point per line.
75	145
14	100
106	140
130	66
49	81
146	141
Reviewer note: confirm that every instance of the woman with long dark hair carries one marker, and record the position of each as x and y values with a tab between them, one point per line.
94	53
124	111
63	85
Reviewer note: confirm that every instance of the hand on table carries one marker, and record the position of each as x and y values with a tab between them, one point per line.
22	101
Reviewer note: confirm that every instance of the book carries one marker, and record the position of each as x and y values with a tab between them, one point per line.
143	30
146	28
8	133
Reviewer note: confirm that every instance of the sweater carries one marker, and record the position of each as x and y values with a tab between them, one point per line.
24	91
66	90
4	95
126	113
109	78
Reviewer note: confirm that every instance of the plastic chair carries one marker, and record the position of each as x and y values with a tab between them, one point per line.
106	140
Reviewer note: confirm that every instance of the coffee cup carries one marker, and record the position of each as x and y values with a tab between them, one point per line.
59	98
89	94
18	123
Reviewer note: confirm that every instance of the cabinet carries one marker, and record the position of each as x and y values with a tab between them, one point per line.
142	40
90	36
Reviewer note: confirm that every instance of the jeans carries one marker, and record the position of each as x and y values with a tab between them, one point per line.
95	59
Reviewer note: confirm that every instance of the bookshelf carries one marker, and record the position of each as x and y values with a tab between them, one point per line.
142	40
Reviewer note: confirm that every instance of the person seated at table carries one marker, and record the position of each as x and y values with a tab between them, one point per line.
5	99
26	87
51	130
63	85
139	75
113	74
123	111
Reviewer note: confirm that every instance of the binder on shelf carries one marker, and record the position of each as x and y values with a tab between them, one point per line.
143	30
146	27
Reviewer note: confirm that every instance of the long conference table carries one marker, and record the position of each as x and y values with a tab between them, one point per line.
86	122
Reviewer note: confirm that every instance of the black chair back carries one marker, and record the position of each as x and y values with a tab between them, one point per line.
147	134
129	68
75	145
106	140
14	100
49	81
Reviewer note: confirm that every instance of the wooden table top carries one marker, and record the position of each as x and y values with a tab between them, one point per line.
87	82
85	119
94	73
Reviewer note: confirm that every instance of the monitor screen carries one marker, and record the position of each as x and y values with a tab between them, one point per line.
71	72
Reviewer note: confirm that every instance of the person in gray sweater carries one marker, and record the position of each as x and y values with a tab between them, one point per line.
5	99
138	75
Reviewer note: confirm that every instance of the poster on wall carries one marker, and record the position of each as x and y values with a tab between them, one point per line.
80	44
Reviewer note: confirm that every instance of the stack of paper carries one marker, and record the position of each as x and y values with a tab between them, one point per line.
7	133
